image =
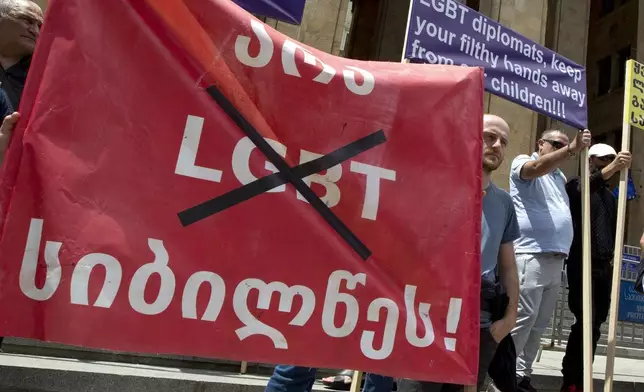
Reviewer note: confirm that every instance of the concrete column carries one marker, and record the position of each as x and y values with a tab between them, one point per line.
569	20
527	17
322	25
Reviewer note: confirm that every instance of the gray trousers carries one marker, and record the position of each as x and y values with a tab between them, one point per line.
487	349
539	281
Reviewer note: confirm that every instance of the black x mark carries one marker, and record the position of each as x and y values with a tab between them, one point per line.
285	174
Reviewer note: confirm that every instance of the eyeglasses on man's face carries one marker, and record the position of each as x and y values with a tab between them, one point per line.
555	143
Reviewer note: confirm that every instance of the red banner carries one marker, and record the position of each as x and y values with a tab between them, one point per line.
187	180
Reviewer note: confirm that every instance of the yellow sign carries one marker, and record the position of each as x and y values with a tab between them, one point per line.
634	94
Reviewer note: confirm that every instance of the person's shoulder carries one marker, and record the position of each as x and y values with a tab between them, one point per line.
522	158
517	164
501	195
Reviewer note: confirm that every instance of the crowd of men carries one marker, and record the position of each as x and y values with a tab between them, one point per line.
527	234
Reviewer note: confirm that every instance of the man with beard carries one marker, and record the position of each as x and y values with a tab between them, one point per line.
499	229
538	189
604	163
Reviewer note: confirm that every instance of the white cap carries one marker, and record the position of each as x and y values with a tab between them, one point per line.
601	150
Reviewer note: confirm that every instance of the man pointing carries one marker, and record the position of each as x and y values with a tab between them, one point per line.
538	189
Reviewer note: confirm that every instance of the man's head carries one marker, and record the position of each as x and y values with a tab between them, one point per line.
552	140
20	22
495	140
601	155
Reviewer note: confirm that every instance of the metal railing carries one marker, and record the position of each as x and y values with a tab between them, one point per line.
629	335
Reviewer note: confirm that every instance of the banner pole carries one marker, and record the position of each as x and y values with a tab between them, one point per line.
587	276
357	381
619	241
411	7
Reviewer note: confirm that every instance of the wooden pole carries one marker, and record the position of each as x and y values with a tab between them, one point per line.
411	8
617	269
244	367
356	383
587	276
619	242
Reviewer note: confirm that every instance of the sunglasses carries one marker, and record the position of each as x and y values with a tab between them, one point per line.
557	145
607	158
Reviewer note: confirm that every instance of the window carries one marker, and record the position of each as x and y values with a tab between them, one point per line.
607	7
624	55
604	70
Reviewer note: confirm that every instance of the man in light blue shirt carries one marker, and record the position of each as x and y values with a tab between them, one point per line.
538	190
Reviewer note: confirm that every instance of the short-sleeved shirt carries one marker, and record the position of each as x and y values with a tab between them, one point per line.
543	210
498	226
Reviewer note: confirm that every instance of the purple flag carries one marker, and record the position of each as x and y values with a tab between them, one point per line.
516	68
290	11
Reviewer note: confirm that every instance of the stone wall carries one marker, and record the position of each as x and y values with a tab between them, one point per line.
527	17
322	27
609	34
41	3
569	38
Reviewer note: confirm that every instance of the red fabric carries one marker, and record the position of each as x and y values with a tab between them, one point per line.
109	94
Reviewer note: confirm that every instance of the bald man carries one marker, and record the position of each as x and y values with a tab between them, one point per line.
538	190
499	228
